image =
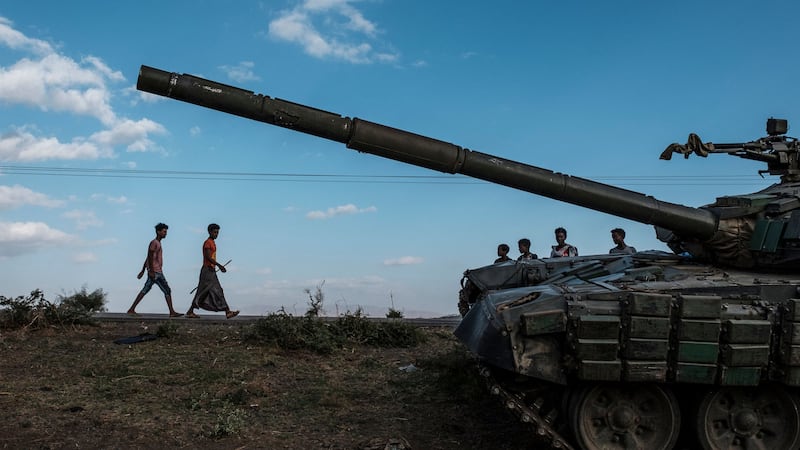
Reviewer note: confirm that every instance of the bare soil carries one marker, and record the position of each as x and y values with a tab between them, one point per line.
203	386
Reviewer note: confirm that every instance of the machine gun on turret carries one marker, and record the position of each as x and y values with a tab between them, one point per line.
779	151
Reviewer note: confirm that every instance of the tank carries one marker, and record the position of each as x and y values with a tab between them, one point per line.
698	348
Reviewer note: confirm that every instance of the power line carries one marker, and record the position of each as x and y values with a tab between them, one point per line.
628	180
230	176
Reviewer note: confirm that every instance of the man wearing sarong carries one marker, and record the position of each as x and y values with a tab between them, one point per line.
209	294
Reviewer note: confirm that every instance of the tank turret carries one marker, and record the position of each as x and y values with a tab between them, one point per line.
614	351
751	231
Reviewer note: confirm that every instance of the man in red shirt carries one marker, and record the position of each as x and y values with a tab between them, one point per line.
155	275
209	294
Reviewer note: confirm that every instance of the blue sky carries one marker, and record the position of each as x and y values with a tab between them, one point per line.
88	165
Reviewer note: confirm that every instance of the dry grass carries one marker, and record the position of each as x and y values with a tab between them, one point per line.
204	386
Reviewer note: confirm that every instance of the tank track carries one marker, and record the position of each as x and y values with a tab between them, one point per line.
532	415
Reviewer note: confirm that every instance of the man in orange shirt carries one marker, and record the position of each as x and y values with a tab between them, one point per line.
209	294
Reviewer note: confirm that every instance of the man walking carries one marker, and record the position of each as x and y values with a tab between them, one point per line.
209	294
155	275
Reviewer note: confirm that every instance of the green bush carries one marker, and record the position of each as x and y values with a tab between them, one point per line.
394	314
356	328
35	311
230	420
324	336
292	333
311	332
315	301
93	302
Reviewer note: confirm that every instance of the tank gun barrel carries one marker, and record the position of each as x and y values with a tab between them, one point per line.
404	146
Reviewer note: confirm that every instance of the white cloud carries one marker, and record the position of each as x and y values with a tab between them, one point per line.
329	29
15	196
338	211
366	280
101	67
84	258
57	83
195	131
241	72
404	261
121	200
17	238
264	271
22	145
129	133
15	40
355	20
105	197
386	57
51	82
145	97
83	219
100	242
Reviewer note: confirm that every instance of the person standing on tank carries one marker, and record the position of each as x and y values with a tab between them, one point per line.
618	236
154	263
524	246
209	295
502	253
562	248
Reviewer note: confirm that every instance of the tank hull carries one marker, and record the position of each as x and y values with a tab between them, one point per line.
647	328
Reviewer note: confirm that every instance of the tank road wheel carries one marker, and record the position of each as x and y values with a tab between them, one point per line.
640	417
767	417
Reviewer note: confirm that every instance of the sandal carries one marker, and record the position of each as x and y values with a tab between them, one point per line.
231	314
192	315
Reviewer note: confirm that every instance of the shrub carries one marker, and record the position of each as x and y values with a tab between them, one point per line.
292	333
355	328
394	314
94	301
315	301
313	333
35	311
230	420
321	336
